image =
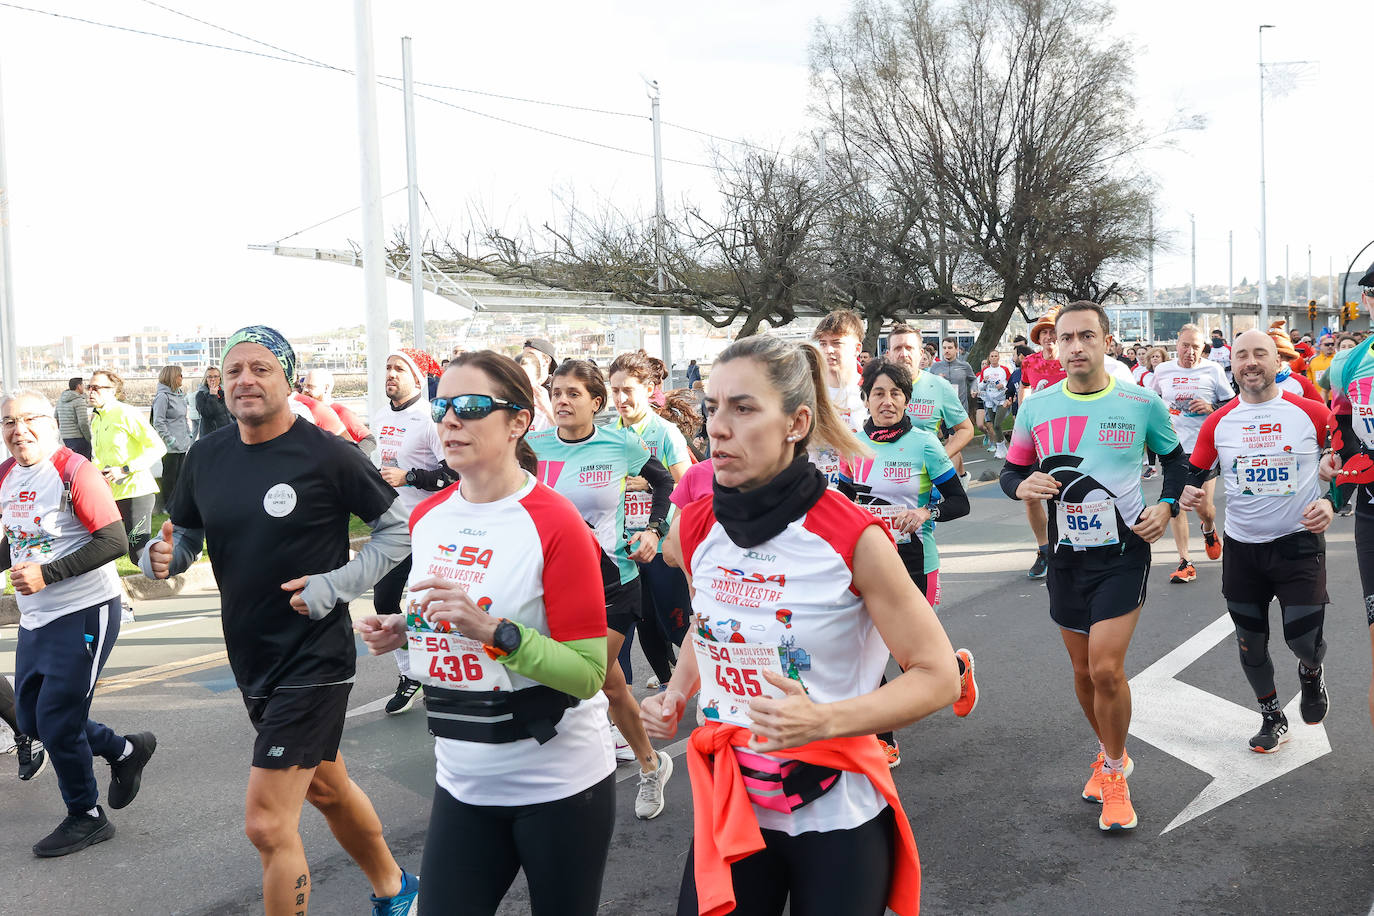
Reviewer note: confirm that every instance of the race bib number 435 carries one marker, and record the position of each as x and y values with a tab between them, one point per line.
732	675
454	661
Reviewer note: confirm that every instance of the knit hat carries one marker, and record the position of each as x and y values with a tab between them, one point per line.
270	338
404	355
1045	321
1282	342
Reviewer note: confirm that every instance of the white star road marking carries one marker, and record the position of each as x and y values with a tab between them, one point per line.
1209	733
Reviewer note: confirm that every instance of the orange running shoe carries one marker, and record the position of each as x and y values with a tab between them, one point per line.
1212	544
1092	792
1117	813
968	687
894	756
1184	573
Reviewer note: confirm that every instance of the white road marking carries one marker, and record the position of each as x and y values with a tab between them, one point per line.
1208	732
367	707
158	626
676	749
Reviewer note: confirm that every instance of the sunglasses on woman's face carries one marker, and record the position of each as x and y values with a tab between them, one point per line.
469	406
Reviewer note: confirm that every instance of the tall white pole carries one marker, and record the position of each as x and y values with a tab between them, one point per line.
9	344
1149	329
1331	285
1264	231
1226	318
374	247
1309	273
1287	290
660	230
1192	281
417	281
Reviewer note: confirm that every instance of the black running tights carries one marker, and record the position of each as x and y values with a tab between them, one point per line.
472	853
7	705
825	873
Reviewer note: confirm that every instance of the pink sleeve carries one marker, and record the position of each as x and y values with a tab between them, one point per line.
693	485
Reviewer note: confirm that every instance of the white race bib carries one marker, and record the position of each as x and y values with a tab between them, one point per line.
454	661
888	516
1362	418
1090	524
638	503
732	675
1267	475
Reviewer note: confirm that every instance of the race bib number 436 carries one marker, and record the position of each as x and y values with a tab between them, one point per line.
454	661
732	675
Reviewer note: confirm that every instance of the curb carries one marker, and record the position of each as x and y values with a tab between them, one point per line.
140	588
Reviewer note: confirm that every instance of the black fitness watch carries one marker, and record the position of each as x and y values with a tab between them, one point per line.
410	477
659	528
506	639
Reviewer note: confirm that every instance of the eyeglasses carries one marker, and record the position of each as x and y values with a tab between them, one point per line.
469	406
91	387
9	423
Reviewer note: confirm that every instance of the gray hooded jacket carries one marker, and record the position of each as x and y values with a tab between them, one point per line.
169	419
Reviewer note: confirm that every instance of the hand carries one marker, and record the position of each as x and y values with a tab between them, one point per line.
1190	499
443	599
791	721
109	474
394	476
636	484
643	546
27	578
382	634
295	587
661	713
910	520
160	552
1153	522
1317	516
1198	405
1038	485
1329	466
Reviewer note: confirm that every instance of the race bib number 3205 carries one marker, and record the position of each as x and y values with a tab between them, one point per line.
1267	475
732	675
454	661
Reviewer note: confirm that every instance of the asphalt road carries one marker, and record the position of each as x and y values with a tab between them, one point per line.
994	799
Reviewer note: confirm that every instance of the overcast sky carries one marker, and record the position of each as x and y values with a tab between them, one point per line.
142	168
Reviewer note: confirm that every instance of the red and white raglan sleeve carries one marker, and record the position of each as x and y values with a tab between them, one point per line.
574	598
92	502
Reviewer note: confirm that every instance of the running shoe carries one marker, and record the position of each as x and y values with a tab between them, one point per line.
1040	568
649	801
75	833
1348	510
1184	573
968	687
1117	812
653	683
127	775
623	751
1273	732
1092	792
401	904
126	615
1149	473
894	756
1001	450
1314	702
32	758
1212	544
404	697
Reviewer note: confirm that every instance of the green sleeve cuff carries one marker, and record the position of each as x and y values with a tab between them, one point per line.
576	667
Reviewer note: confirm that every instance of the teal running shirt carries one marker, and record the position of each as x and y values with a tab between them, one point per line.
666	443
902	473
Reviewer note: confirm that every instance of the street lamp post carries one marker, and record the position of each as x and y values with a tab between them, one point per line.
1264	233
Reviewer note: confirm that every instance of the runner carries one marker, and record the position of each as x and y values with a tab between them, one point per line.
817	587
536	792
1269	443
29	752
1154	356
1220	353
959	374
319	384
269	497
61	534
933	400
994	384
1294	382
1340	406
410	449
590	464
909	484
1192	387
1080	444
663	590
1040	370
838	337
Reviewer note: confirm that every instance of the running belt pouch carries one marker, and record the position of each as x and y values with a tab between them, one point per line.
783	785
496	716
1301	545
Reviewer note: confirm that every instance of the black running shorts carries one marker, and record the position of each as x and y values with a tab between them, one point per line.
298	726
624	606
1291	569
1091	592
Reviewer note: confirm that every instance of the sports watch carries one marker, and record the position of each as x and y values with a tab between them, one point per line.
505	640
659	528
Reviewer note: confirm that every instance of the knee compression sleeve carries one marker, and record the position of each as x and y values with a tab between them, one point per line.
1302	630
1252	636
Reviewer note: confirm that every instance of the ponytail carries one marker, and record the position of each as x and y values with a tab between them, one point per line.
524	454
829	431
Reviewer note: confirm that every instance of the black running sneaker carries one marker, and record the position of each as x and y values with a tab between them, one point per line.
126	775
32	758
1273	732
1314	702
75	833
403	698
1040	567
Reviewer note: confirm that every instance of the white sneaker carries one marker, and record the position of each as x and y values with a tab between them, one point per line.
126	614
1001	450
649	801
653	683
623	751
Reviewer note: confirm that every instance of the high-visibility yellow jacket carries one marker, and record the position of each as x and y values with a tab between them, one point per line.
121	435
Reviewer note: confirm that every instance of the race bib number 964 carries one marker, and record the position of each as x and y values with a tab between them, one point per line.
1089	524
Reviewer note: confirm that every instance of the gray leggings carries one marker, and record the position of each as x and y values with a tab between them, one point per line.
1302	630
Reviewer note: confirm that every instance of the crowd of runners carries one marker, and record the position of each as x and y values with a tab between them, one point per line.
769	536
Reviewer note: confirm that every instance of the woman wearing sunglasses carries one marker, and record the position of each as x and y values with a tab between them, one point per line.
508	635
590	464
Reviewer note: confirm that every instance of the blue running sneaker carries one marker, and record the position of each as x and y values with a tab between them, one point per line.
401	904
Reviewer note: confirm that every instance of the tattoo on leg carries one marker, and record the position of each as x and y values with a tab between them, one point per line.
1369	609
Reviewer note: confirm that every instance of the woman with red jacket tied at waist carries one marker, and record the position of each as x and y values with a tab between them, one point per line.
798	597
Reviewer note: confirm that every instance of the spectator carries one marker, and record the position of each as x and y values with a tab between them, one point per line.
657	397
955	370
169	419
74	419
210	404
693	374
536	367
542	350
1319	363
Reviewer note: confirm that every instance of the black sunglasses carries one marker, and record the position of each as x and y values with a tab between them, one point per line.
469	406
